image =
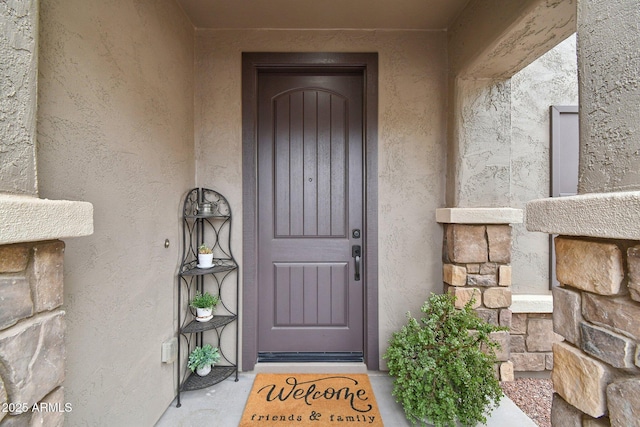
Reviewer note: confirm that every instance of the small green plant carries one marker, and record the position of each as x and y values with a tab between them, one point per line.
205	300
204	249
203	356
443	365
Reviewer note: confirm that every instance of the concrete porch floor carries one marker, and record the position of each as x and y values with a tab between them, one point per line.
222	405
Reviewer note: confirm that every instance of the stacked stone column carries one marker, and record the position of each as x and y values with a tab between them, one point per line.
532	338
596	373
477	266
31	334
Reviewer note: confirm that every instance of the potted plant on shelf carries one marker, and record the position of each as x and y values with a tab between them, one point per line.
201	359
443	365
204	305
205	256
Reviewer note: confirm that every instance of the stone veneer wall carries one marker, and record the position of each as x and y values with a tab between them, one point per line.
597	310
32	331
477	265
531	341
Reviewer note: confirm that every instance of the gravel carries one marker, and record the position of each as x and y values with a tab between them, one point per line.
533	396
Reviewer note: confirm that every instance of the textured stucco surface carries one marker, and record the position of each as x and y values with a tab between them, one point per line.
115	128
500	94
532	304
29	219
479	216
487	44
412	84
609	64
550	80
482	144
607	215
498	38
18	88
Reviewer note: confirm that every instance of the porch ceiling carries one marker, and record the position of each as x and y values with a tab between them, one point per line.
323	14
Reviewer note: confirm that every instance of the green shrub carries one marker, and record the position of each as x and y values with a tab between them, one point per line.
205	300
204	249
443	365
203	356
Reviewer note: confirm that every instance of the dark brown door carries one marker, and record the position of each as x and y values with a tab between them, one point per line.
310	201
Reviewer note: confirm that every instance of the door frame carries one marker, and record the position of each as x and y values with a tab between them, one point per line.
252	64
558	117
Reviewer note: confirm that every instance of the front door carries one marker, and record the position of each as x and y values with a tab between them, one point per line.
310	213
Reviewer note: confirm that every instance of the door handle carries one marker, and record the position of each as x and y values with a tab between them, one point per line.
356	253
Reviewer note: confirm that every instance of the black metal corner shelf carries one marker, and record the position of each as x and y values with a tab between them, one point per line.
220	266
217	374
216	322
206	219
205	216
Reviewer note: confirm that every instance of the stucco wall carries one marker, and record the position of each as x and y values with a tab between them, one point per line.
489	42
498	38
483	144
18	50
550	80
115	128
412	91
498	151
609	133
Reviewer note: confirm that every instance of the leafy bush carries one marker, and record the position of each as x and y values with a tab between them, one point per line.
203	356
204	249
443	365
205	300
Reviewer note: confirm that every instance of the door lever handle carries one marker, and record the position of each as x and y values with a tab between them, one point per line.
356	253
